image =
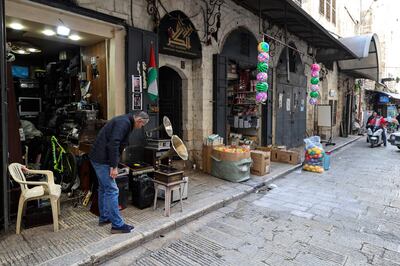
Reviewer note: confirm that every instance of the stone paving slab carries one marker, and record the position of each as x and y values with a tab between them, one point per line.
81	241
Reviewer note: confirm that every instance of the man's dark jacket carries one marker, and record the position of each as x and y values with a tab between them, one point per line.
110	140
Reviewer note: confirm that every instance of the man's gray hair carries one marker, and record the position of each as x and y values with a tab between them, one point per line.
142	115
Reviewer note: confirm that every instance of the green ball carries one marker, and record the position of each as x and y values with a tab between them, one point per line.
314	81
262	67
314	94
262	86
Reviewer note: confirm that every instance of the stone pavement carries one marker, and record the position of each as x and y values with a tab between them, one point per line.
349	215
81	241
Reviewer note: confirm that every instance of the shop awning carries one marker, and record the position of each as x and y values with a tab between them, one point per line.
366	65
299	23
389	94
392	95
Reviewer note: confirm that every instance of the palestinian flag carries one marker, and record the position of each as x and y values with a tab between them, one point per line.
152	76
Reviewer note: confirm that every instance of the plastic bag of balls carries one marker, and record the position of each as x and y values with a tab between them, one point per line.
314	155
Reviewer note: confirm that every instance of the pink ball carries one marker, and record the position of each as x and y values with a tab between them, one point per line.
313	101
315	67
314	88
261	97
315	74
262	76
263	57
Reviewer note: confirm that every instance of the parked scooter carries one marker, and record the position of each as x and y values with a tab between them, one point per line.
375	136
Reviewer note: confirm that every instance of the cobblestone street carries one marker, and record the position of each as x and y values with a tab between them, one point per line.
348	215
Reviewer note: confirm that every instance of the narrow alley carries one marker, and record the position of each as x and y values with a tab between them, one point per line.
348	215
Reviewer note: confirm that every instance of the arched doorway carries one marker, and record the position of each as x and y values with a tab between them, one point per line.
291	100
235	67
170	99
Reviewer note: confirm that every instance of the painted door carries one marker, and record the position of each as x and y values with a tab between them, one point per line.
291	115
220	65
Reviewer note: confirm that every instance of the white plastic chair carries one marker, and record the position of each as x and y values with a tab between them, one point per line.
40	190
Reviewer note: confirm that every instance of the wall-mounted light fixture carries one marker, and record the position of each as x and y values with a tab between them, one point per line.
16	26
63	30
48	32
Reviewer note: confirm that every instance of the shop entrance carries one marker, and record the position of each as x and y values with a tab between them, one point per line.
170	98
57	90
291	100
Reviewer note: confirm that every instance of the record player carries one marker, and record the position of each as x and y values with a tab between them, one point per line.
135	168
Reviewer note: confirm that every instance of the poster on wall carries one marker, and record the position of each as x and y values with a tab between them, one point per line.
136	84
137	101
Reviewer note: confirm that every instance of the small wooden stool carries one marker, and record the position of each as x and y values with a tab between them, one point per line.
168	188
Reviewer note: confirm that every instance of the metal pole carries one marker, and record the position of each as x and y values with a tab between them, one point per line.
287	49
4	131
259	18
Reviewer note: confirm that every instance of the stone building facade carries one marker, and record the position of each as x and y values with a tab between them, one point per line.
197	82
197	78
341	18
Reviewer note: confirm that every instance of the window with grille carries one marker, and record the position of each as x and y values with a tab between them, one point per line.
322	7
327	8
297	2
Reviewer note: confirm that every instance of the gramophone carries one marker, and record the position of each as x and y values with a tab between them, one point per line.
160	144
167	173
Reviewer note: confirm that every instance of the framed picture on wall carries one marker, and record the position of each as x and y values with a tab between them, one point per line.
137	101
136	83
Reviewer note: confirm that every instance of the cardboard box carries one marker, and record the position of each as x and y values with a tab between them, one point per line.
280	154
257	155
207	161
260	171
273	152
261	162
230	156
290	157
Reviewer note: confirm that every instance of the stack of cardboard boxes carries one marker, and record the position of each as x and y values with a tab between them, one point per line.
261	162
282	155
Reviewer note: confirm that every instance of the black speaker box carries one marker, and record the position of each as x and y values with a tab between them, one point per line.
142	188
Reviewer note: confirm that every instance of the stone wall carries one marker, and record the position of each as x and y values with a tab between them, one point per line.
198	74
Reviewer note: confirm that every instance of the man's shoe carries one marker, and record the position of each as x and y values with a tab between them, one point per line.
103	223
126	228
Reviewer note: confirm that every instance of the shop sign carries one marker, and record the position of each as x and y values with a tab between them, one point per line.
178	36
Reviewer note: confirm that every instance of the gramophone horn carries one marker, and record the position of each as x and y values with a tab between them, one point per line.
166	125
177	149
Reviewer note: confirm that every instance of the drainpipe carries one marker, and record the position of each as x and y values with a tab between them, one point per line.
4	134
287	49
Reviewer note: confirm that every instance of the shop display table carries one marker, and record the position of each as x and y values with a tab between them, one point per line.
168	188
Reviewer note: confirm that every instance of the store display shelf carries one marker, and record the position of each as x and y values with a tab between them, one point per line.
242	104
244	92
251	115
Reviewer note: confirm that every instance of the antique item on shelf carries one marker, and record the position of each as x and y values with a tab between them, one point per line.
166	125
